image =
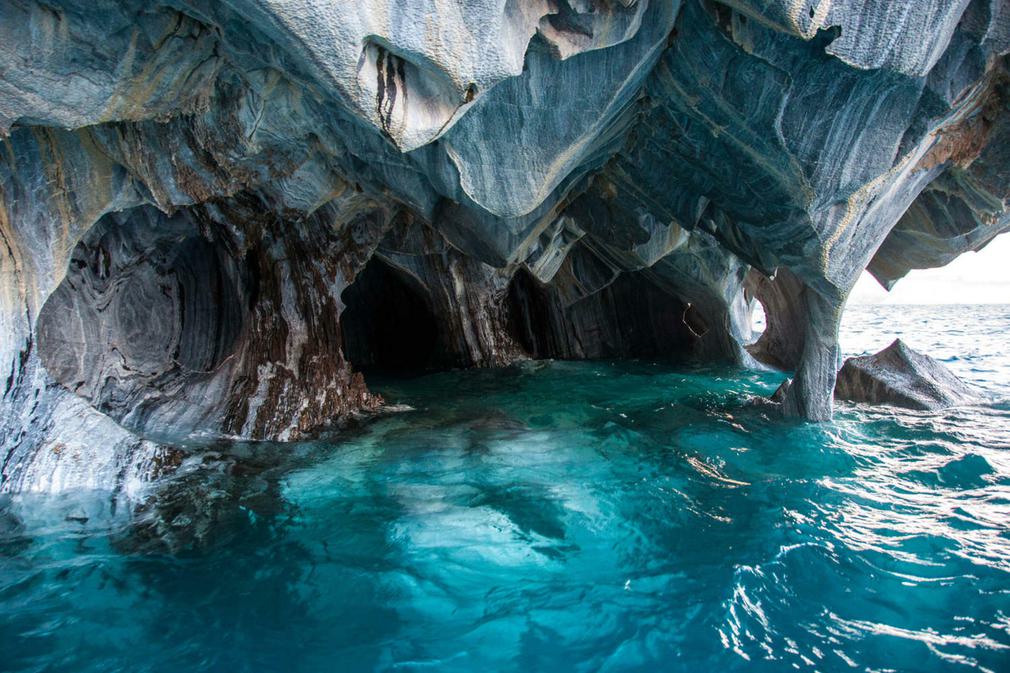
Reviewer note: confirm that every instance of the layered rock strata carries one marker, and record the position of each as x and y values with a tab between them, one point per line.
205	207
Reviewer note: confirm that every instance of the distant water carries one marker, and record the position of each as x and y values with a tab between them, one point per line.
553	517
971	340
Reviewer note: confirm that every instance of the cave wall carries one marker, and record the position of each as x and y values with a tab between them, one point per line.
262	152
629	317
220	320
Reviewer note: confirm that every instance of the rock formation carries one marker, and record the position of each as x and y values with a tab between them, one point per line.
216	214
901	377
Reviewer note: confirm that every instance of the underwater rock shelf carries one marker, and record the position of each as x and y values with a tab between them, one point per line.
216	215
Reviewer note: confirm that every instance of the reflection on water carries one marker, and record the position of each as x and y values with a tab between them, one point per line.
570	516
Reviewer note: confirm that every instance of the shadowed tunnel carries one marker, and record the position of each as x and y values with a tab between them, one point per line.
629	317
387	325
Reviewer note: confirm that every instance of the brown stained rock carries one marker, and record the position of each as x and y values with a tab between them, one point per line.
221	320
962	142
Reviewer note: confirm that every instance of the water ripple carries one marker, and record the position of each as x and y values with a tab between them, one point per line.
564	517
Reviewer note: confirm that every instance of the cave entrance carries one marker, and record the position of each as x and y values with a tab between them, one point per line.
631	317
388	326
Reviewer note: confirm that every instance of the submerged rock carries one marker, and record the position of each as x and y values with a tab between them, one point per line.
902	377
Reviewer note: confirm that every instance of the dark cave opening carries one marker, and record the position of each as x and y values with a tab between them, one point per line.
388	326
632	317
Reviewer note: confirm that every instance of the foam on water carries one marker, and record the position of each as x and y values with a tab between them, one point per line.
559	517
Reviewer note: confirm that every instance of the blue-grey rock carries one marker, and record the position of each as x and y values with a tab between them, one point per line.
902	377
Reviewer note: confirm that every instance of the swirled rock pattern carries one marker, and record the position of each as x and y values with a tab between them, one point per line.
216	214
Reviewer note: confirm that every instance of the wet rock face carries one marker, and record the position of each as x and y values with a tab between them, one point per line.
182	325
215	215
630	317
152	302
902	377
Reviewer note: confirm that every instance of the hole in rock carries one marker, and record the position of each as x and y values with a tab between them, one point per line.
758	322
148	305
387	325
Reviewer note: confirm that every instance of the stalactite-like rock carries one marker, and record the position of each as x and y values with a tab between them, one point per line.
190	191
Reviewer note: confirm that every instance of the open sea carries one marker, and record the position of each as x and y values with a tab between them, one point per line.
555	516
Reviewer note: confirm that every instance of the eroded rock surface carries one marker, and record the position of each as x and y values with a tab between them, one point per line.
902	377
205	207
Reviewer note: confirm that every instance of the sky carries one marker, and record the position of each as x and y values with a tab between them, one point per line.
973	278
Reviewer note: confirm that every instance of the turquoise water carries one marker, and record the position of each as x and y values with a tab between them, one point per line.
549	517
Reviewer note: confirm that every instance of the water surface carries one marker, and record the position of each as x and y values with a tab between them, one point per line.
556	517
